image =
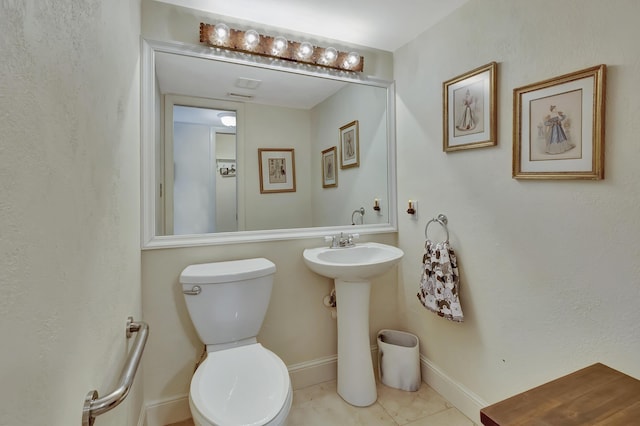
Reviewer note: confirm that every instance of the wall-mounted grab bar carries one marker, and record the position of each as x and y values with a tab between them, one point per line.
94	406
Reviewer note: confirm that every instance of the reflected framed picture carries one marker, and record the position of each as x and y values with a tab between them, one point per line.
277	170
559	127
470	109
349	145
227	168
329	172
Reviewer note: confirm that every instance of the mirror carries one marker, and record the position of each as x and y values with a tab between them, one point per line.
200	190
279	106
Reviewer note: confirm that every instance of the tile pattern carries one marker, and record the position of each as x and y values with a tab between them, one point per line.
321	405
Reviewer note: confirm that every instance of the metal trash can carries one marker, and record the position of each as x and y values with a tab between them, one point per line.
399	360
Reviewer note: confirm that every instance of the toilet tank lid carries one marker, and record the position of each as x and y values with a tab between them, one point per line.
229	271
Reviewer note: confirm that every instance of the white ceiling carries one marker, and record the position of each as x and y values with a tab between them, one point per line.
217	80
380	24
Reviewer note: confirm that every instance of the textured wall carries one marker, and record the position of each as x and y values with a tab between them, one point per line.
69	205
549	269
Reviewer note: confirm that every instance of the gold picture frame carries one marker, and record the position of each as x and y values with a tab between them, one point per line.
329	168
277	170
470	109
558	129
349	145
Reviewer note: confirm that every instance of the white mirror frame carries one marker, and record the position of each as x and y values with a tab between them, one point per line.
148	152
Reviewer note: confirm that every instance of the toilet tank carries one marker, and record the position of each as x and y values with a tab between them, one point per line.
233	298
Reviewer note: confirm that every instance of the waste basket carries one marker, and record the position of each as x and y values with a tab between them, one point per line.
399	360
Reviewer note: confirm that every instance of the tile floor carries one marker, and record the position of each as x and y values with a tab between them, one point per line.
321	405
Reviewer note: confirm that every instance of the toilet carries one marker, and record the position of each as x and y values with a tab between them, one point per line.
240	382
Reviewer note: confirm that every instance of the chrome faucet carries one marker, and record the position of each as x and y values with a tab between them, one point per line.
359	211
342	240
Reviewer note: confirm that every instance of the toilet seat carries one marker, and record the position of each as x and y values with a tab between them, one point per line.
245	385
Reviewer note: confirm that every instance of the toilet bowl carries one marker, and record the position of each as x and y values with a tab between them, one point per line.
240	382
248	385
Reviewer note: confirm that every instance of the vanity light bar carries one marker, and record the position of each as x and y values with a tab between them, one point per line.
250	41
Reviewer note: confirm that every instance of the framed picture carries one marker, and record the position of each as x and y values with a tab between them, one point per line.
277	170
558	129
349	145
329	172
227	168
470	109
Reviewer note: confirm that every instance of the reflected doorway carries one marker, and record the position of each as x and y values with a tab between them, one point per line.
200	168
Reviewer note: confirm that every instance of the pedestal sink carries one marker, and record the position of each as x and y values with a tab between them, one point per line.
352	268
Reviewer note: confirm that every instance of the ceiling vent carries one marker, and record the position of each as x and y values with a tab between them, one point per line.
240	96
248	83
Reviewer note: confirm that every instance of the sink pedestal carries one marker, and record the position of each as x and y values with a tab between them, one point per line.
356	379
351	268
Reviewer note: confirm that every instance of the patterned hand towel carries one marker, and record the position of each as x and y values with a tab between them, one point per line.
440	281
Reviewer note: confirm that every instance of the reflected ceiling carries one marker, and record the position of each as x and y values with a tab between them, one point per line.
193	76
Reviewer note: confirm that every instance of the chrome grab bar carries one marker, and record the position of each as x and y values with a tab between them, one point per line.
94	406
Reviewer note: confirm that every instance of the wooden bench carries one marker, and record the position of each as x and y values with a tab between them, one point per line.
595	395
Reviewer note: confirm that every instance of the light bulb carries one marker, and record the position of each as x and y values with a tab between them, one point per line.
228	119
330	55
279	45
220	33
353	59
251	39
305	50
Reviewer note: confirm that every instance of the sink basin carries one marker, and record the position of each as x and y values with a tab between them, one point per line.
361	262
352	268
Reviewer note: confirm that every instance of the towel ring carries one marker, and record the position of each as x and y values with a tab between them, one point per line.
442	220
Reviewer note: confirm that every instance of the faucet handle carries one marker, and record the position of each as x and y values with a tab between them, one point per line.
350	239
333	239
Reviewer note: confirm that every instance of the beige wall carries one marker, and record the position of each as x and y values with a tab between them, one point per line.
549	269
69	209
357	187
297	327
276	127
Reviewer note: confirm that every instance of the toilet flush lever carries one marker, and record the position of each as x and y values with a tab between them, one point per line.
195	290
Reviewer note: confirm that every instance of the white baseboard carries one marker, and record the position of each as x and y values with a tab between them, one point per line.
168	411
458	395
142	419
321	370
302	375
312	372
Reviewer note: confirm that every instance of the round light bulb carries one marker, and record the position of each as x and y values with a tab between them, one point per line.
220	33
305	50
251	39
228	119
353	59
330	55
279	45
